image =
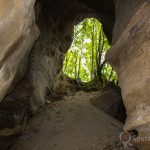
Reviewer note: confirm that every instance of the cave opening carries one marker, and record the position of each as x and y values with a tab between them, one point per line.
86	68
85	60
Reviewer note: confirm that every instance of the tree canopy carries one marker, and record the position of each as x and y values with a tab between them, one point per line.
85	60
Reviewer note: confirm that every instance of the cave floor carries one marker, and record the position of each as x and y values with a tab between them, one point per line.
71	124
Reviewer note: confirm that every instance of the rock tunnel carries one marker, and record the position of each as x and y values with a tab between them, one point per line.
35	36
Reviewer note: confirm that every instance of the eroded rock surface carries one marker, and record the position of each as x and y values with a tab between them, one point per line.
130	56
18	32
110	101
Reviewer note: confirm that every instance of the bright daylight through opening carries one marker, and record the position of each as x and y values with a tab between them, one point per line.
85	60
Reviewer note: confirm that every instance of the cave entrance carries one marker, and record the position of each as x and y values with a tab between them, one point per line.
85	64
85	60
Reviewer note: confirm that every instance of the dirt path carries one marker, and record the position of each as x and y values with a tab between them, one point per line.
71	124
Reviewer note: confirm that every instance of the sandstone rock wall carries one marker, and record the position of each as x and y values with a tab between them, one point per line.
130	56
18	32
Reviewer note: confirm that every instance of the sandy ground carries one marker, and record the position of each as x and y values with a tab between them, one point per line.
71	124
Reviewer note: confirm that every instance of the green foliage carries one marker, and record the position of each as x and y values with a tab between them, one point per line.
85	60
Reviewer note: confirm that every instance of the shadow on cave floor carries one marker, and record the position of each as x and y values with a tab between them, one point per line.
75	118
71	124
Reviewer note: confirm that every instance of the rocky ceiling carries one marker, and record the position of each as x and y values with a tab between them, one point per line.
61	12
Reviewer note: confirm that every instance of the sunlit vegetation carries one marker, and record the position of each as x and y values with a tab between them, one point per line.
85	60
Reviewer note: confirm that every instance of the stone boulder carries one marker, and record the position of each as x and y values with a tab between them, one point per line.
110	101
130	57
18	32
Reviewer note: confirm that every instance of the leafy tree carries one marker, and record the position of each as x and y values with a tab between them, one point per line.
85	60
